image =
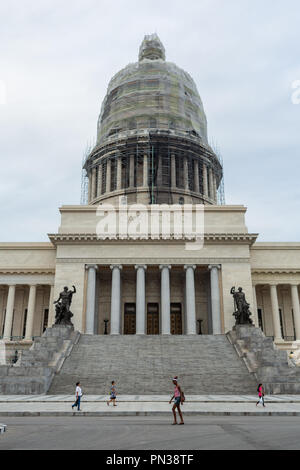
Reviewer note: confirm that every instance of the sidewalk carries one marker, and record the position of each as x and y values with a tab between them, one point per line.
148	405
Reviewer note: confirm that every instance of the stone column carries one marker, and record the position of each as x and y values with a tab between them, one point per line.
9	312
159	171
186	174
90	299
119	173
140	300
30	312
296	309
93	183
205	184
165	300
211	183
145	170
215	188
131	171
108	176
51	307
115	311
190	299
196	176
275	313
99	189
90	187
173	171
215	298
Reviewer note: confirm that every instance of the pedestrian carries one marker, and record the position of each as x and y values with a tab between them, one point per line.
178	400
113	394
78	395
261	394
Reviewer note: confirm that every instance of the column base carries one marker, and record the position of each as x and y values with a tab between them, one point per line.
279	341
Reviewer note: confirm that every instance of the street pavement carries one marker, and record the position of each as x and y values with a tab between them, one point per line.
154	433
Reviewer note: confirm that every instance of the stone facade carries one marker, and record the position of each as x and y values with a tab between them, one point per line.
151	282
265	271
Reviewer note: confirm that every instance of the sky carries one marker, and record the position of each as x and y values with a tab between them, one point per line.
57	57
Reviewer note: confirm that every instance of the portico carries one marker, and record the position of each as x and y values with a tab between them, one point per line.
26	309
277	304
151	299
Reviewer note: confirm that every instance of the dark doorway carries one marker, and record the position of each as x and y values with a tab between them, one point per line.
176	319
152	319
129	319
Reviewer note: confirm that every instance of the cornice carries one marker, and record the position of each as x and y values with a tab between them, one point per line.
207	207
153	261
276	246
74	238
18	270
26	246
275	271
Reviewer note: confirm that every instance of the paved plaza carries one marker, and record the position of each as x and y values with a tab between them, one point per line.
148	405
151	433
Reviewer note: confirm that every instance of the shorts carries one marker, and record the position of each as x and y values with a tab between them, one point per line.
113	397
177	401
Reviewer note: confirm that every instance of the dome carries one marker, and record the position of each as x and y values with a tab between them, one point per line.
152	93
152	137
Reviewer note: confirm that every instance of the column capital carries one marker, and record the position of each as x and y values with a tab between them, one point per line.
88	266
193	266
273	284
137	266
161	266
294	284
211	266
119	266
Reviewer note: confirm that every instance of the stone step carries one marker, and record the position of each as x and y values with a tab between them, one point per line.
146	364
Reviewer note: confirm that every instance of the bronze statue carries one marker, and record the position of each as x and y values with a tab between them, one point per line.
62	307
241	307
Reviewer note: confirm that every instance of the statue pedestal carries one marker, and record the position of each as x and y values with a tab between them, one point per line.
243	328
62	331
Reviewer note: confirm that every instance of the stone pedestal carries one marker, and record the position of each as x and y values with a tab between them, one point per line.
268	364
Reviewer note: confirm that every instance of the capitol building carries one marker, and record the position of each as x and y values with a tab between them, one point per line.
137	268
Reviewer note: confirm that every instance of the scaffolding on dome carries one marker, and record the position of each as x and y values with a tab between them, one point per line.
84	177
221	188
158	147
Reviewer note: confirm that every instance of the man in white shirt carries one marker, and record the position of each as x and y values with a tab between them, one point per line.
78	395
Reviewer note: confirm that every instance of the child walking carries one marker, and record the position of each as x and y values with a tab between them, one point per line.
261	394
113	394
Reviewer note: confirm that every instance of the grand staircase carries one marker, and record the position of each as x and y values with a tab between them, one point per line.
205	364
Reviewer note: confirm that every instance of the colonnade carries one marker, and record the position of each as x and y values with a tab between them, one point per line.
31	306
277	332
165	299
97	176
